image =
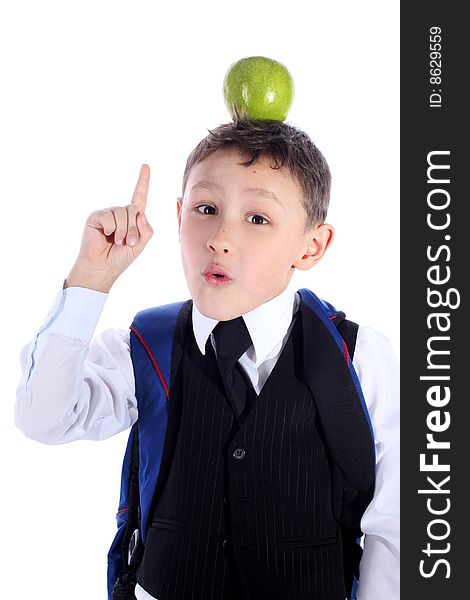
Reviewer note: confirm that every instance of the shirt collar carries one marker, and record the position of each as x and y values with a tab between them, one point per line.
267	323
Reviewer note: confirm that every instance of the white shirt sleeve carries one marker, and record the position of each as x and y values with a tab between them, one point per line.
378	371
74	388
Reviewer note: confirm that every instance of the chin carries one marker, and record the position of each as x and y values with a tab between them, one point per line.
213	310
218	314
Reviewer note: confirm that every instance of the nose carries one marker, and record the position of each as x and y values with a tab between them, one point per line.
220	241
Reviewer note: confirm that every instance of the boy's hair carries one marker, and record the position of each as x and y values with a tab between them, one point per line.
286	146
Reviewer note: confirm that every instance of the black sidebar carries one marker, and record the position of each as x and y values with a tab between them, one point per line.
435	253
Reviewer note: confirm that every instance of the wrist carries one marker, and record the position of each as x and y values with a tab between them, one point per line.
80	276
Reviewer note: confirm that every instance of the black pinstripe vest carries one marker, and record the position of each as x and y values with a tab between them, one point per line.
243	507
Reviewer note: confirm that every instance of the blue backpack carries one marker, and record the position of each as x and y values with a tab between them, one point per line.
143	456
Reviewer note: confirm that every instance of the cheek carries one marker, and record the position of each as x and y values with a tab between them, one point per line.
267	256
189	237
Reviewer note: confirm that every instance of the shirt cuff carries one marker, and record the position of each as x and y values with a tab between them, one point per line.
76	313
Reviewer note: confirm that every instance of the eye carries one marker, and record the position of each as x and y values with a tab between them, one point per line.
258	220
206	209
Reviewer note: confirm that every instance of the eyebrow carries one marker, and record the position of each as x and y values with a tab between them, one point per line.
206	184
264	194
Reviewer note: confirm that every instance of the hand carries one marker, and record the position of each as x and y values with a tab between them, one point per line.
113	238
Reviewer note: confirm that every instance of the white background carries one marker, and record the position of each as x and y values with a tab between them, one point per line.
90	91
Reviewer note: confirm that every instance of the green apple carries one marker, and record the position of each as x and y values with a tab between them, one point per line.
258	88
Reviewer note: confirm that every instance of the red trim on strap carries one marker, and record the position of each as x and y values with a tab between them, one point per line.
346	353
152	358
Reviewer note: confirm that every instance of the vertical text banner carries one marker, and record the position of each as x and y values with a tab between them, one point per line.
435	254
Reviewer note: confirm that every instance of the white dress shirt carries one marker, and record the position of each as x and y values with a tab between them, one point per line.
75	387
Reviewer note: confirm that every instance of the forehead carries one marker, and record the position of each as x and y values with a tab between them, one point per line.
223	169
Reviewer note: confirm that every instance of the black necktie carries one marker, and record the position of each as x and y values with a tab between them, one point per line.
232	340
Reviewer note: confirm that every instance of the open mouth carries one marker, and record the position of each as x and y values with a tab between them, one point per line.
216	277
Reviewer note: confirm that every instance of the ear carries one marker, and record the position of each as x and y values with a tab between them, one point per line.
179	208
317	241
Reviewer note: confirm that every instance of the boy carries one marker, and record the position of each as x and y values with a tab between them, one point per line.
257	437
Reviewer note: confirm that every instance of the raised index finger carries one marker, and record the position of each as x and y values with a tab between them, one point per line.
139	198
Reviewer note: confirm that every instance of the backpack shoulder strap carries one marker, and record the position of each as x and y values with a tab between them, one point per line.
351	535
154	331
330	375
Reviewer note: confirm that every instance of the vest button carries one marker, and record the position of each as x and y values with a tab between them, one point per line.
239	453
225	500
224	543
